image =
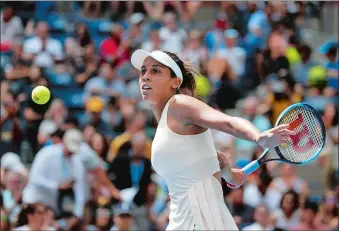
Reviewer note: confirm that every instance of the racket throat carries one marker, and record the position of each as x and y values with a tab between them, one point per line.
251	167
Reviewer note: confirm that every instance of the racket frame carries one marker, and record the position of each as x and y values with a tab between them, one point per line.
254	165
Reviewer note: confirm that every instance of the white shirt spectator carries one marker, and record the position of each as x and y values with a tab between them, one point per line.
44	58
282	222
172	40
11	31
252	195
236	57
257	227
50	169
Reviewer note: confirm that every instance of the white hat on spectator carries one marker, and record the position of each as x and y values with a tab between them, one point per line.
12	162
72	140
9	160
20	168
136	18
47	127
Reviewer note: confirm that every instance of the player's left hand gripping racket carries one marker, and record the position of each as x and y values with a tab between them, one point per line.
302	147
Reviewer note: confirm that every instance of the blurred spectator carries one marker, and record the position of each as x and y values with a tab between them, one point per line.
88	131
95	170
330	119
92	9
289	213
153	42
32	217
82	36
100	146
87	66
123	218
235	55
43	49
11	133
115	49
103	219
77	48
255	191
105	85
280	97
94	107
308	221
138	30
48	186
15	182
121	144
171	35
71	122
275	61
112	113
57	112
134	171
5	224
222	77
287	180
301	69
261	217
12	30
214	39
194	52
251	112
258	27
330	51
241	212
329	211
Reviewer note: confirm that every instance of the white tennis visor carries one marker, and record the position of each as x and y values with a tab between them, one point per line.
138	57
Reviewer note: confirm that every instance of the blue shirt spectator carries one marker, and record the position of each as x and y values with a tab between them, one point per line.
105	85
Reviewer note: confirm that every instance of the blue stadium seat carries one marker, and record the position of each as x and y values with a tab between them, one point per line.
5	58
60	79
72	96
59	26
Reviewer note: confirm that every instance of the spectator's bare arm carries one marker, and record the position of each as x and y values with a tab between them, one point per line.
130	8
104	180
154	11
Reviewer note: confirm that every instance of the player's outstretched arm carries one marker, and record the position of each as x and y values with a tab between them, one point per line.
194	111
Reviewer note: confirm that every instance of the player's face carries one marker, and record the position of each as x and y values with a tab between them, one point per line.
155	81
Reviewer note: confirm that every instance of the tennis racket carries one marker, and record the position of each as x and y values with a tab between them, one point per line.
302	147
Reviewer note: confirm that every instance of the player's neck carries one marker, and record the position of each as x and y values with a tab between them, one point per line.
158	108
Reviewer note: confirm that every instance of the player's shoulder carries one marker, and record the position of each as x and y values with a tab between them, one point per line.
182	99
184	102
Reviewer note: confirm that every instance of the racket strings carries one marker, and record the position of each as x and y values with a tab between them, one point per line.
298	148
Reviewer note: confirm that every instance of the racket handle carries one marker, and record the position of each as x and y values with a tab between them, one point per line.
251	167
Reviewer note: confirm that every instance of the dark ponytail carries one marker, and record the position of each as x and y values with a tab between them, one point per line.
188	85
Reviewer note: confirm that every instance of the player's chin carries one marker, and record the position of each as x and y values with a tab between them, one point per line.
146	94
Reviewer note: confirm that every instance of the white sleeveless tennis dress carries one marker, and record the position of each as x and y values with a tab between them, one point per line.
188	162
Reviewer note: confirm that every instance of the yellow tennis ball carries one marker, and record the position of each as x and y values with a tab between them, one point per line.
41	95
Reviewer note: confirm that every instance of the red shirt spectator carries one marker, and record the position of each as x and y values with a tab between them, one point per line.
113	49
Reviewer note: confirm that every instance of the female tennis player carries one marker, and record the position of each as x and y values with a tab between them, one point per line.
183	151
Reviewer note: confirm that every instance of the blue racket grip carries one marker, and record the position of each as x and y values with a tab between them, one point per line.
251	167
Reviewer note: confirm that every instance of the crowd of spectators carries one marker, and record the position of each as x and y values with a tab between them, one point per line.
82	161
